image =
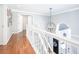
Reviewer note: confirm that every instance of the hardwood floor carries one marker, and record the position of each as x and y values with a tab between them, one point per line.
18	44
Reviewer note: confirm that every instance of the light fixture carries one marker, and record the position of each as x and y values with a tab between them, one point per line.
50	15
51	25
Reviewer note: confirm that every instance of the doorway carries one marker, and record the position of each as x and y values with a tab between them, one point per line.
25	23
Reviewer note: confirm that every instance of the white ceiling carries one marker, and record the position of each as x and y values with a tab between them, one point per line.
44	8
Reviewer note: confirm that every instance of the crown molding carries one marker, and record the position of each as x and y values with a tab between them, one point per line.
28	13
66	11
44	14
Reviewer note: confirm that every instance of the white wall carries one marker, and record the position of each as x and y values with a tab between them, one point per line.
17	22
69	18
5	31
1	24
25	21
4	18
40	21
15	28
14	22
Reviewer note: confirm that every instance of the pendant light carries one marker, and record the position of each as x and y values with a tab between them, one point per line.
51	25
50	15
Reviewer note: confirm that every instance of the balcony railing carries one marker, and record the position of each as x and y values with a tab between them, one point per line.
42	42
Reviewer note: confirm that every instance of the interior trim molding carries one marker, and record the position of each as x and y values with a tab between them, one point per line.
75	35
28	13
45	14
65	11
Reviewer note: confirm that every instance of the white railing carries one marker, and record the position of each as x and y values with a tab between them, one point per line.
39	40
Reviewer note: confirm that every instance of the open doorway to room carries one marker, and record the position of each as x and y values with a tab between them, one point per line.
25	23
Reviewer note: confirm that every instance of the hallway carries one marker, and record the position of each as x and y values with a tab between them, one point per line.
18	44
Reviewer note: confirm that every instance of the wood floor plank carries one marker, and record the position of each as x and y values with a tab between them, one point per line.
18	44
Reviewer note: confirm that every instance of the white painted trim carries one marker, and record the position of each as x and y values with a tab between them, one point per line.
44	14
49	45
65	11
28	13
36	51
7	39
43	44
72	42
69	41
75	36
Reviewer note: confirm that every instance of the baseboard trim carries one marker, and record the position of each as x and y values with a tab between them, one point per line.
5	43
32	44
